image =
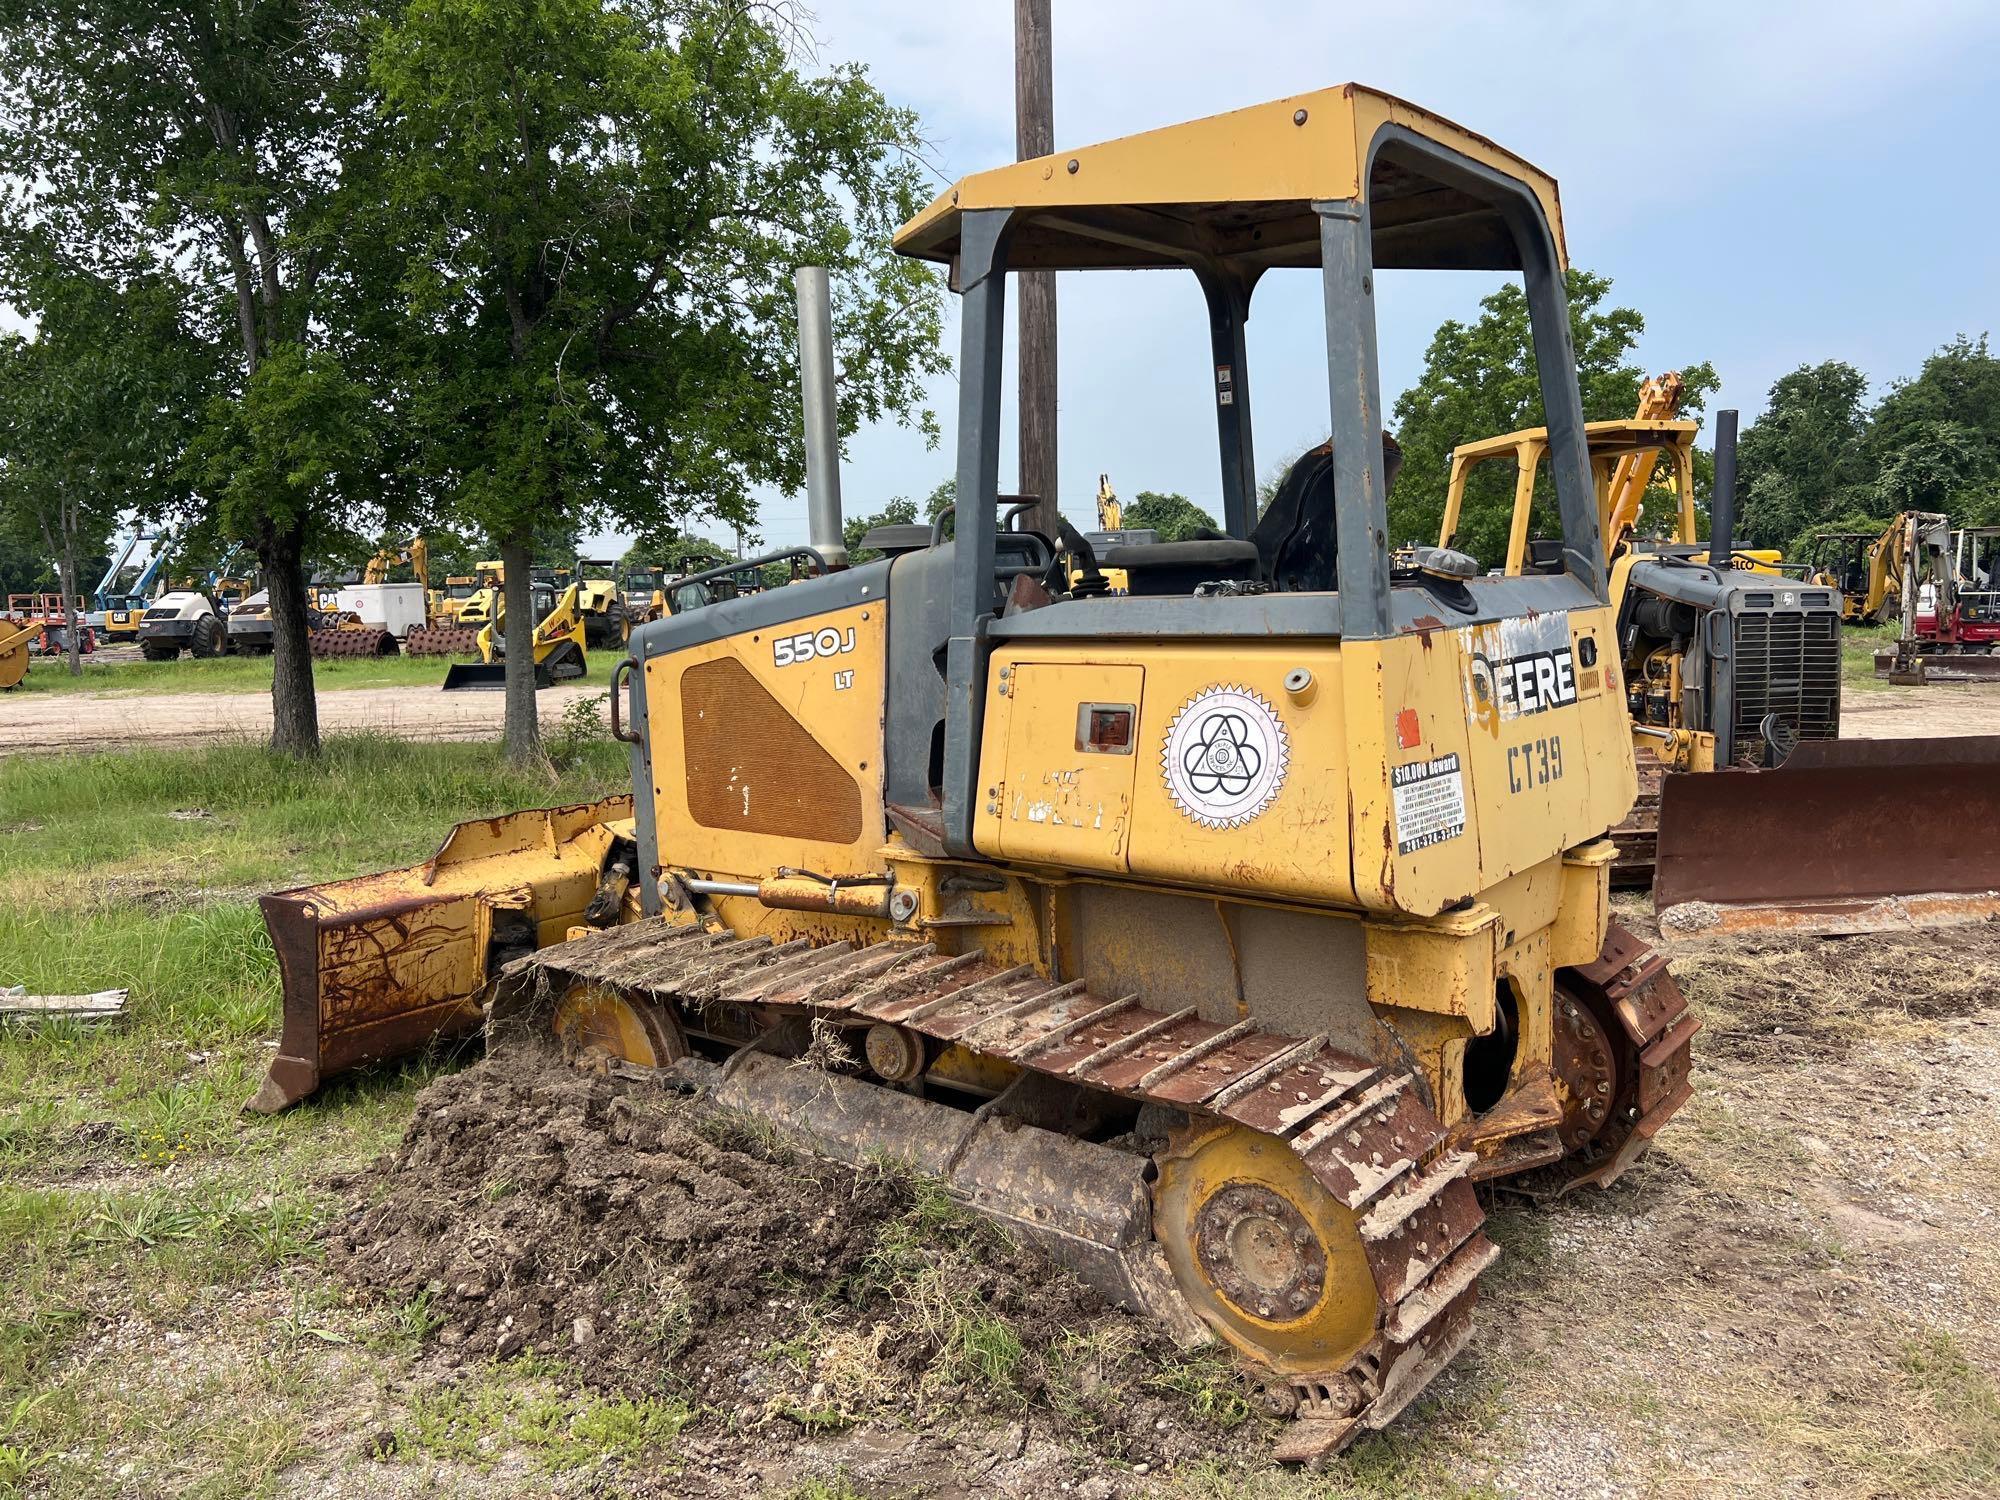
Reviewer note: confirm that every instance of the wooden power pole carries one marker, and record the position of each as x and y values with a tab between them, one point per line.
1035	135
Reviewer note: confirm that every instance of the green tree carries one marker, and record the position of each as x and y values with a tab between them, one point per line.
1805	459
1958	385
1175	517
224	145
1479	381
93	415
1935	464
605	204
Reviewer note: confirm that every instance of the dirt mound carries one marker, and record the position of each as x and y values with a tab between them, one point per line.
660	1249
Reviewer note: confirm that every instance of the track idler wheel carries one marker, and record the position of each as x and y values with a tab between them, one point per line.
1264	1253
598	1025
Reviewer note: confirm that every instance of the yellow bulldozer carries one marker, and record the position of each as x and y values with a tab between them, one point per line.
1219	936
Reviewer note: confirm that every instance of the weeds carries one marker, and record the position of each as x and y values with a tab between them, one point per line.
474	1425
580	729
18	1461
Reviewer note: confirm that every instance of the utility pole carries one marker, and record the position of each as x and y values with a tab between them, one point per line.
1035	135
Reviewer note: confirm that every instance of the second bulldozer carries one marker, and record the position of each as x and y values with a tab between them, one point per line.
1218	937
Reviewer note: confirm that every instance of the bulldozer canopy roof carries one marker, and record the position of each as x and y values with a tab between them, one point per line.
1241	187
1606	439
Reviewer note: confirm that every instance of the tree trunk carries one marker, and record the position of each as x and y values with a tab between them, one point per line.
75	651
65	551
294	706
524	728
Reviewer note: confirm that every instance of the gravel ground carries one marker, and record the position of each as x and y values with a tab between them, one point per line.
72	722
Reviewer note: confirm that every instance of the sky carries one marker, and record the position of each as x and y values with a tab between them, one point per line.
1769	184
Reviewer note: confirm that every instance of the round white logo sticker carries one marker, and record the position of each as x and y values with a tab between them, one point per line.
1225	756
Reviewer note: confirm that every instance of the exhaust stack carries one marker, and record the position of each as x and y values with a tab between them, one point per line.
816	379
1722	504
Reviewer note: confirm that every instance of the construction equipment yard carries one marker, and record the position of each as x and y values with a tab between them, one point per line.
1802	1277
1241	1003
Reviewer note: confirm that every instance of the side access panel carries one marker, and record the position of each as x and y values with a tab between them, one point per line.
766	743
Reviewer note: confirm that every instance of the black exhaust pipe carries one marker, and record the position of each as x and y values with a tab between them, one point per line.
1722	503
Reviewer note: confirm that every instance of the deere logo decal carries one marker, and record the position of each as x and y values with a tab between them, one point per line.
1520	666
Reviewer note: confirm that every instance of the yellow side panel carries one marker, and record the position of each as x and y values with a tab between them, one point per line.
1237	781
767	748
1076	810
1481	751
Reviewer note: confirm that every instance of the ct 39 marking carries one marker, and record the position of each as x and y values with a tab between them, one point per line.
790	650
1534	763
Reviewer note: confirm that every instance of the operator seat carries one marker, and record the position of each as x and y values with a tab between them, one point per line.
1296	538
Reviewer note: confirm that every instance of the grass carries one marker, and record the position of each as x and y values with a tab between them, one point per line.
140	1211
1858	645
252	674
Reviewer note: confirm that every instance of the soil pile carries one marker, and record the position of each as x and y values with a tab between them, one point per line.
661	1248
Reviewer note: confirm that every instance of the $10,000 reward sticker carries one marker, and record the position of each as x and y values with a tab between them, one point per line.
1429	797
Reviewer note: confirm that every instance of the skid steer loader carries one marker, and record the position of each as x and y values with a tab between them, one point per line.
1218	936
559	643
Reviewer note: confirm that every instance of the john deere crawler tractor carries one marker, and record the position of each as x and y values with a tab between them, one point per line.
1218	936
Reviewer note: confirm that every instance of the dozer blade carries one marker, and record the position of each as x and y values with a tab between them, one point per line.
1943	666
1846	836
476	677
382	965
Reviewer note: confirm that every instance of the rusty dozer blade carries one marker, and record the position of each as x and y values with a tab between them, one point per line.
383	965
1846	836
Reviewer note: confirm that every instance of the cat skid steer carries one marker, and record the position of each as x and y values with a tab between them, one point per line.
1219	936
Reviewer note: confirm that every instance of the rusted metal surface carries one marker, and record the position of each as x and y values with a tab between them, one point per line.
384	965
348	641
1364	1133
1843	824
1623	1055
441	640
1638	836
1940	666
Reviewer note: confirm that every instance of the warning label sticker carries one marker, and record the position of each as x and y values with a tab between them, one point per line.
1429	800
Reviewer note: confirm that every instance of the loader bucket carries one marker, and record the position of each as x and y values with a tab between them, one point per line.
476	677
1846	836
382	965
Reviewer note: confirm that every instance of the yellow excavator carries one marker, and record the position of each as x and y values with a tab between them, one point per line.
559	643
1219	936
